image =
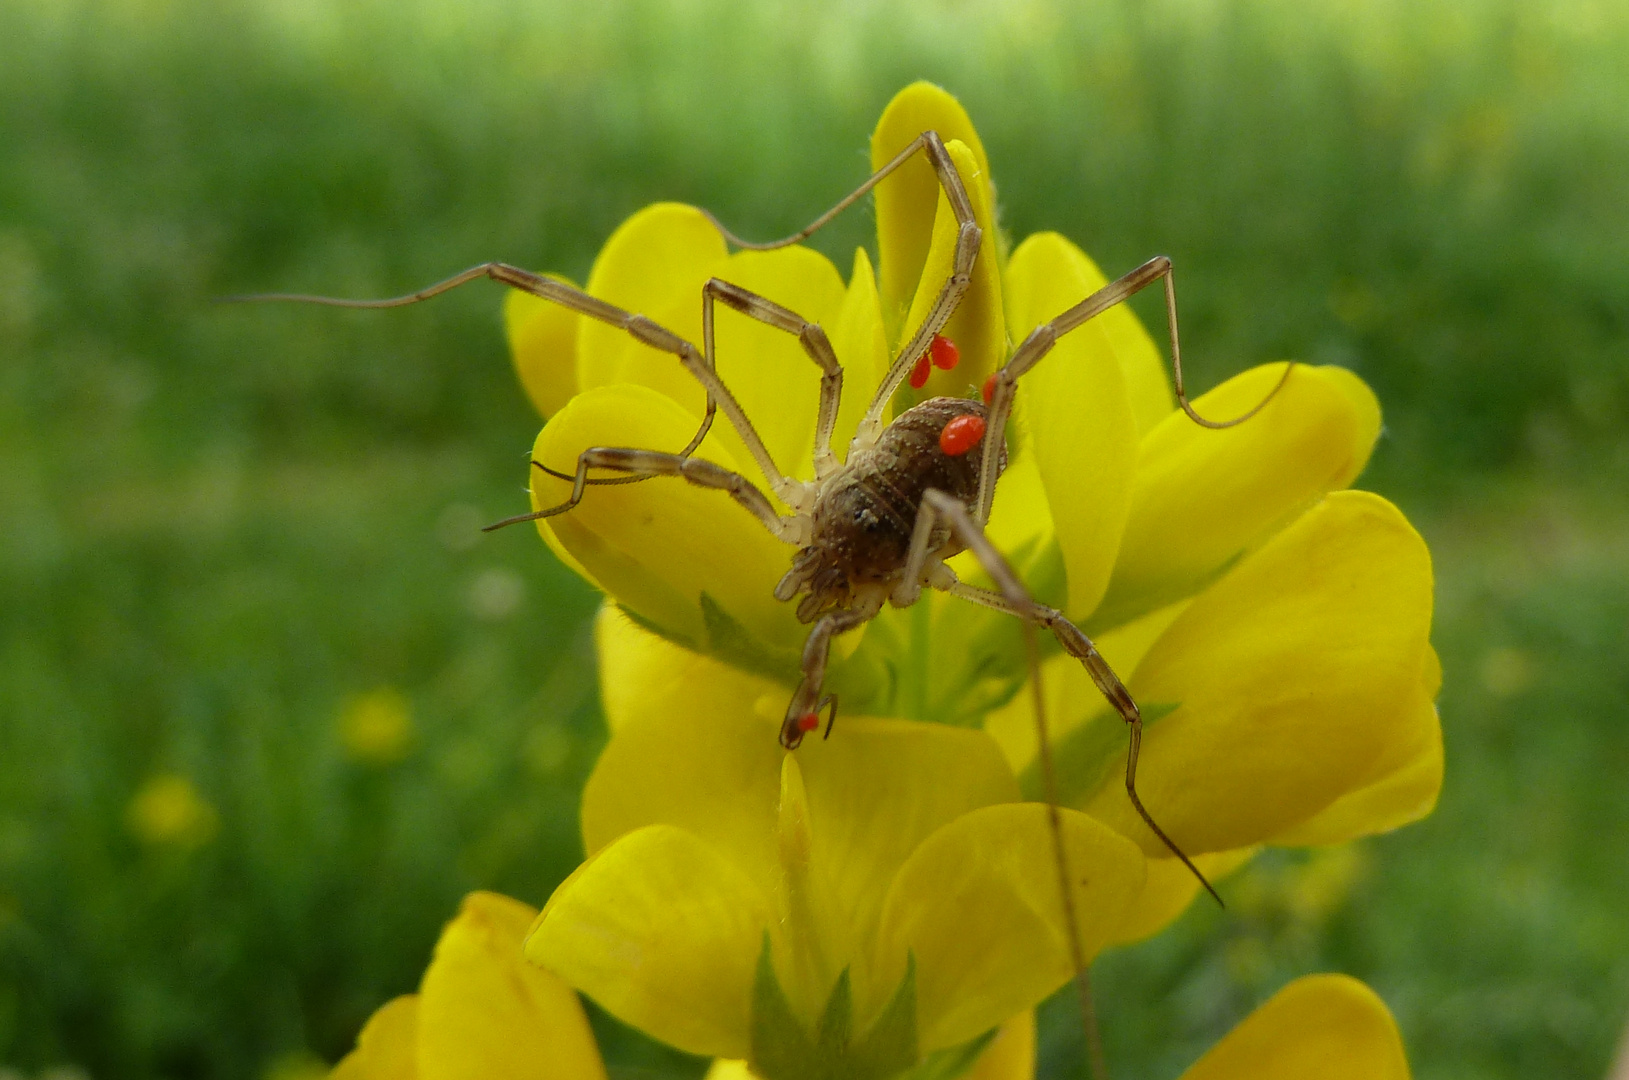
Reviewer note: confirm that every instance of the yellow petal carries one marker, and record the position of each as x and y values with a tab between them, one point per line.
1072	699
659	545
714	774
664	932
876	790
730	1069
654	265
979	906
543	346
1078	415
861	343
907	199
1020	516
1141	361
1329	1026
1201	498
869	795
1170	888
979	325
1402	786
387	1048
1011	1055
775	381
486	1014
643	677
1293	673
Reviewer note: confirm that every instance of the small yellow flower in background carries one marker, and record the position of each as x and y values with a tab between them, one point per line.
1507	671
736	897
168	811
481	1013
376	728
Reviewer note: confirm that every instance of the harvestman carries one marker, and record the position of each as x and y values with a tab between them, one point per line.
877	527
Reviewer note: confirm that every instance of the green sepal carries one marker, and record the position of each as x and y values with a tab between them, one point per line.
732	643
952	1061
889	1048
655	628
1083	757
1116	610
782	1050
906	649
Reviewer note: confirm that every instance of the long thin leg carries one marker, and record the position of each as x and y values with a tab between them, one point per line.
1014	599
809	335
924	559
938	507
698	471
950	294
1041	340
795	494
802	714
968	238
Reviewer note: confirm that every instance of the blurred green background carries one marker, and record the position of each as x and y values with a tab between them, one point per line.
219	526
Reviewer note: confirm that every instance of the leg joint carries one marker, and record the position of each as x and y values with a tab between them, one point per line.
818	345
659	337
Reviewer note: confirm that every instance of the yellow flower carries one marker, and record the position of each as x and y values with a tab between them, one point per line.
168	811
377	727
1273	625
736	898
481	1013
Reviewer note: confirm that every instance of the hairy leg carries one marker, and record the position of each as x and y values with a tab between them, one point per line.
809	335
806	700
1014	599
788	490
1041	340
950	294
698	471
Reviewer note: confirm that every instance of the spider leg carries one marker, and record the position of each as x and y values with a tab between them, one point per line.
950	294
939	510
1014	599
1041	340
698	471
643	330
806	700
809	335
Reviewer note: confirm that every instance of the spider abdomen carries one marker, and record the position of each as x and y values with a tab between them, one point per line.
866	513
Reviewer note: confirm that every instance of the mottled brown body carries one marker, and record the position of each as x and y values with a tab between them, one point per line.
866	512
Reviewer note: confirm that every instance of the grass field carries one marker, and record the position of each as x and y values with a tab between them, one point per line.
219	525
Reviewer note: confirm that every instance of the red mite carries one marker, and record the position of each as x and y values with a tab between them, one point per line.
987	391
961	435
919	373
808	721
943	355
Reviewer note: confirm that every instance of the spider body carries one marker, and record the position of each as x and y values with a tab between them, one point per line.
865	514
